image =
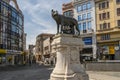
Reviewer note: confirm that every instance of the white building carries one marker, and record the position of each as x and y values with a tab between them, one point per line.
84	12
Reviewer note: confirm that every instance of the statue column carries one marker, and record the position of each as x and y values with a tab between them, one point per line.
68	67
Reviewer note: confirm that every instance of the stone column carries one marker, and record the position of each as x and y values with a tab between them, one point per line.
68	67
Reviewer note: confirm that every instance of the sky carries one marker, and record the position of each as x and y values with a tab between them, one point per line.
37	17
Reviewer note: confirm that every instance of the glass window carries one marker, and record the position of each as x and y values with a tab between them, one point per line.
118	22
103	5
88	15
84	26
79	18
20	20
89	25
89	5
79	8
104	25
101	27
108	25
84	6
117	1
118	11
68	13
80	26
84	16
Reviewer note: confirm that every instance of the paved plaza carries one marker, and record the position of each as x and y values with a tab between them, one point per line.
40	72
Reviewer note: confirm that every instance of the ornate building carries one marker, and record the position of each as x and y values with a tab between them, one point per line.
108	28
39	47
11	33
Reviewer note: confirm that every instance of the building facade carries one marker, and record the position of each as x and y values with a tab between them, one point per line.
84	12
31	56
108	28
39	46
11	33
68	9
24	41
49	57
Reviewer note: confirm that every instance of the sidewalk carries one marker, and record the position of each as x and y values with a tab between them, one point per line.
98	75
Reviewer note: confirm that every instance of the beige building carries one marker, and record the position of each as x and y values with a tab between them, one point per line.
49	57
108	28
39	45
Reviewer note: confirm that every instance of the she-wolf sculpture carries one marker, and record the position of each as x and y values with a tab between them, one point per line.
64	22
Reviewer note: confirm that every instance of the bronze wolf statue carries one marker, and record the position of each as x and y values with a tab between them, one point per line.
64	21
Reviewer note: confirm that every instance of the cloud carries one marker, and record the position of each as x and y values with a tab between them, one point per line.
37	14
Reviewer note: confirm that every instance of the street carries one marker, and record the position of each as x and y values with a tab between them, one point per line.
33	72
41	72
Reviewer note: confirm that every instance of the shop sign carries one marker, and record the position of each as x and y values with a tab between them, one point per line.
87	40
3	51
13	52
111	50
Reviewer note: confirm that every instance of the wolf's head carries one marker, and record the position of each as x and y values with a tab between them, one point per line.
54	13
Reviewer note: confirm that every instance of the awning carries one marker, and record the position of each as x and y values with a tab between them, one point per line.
3	51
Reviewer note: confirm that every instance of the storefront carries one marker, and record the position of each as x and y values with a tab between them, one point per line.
2	56
87	53
14	57
106	51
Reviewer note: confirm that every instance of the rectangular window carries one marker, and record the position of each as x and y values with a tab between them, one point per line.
101	27
84	26
108	15
79	8
107	4
104	25
84	6
104	5
80	27
89	5
100	17
89	25
104	16
118	22
108	25
105	37
117	1
88	15
84	16
118	11
79	18
99	6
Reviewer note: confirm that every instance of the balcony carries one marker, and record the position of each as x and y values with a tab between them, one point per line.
110	40
111	30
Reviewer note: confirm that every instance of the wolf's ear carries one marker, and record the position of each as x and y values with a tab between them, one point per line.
52	10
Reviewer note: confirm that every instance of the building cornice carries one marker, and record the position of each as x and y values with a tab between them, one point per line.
80	1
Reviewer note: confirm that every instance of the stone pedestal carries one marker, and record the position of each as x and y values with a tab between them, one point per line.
68	67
